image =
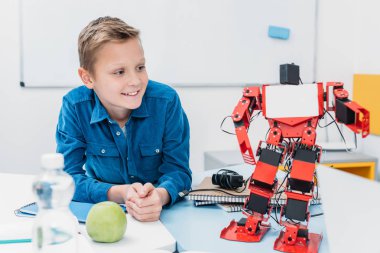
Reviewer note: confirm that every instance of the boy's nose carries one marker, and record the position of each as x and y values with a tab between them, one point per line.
133	80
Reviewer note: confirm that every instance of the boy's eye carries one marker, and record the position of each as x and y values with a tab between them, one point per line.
141	68
119	72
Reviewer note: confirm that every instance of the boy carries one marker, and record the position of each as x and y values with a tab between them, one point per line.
130	133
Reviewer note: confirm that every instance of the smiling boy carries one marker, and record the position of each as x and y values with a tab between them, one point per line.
125	138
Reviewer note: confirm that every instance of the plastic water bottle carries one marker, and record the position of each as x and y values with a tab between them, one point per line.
56	228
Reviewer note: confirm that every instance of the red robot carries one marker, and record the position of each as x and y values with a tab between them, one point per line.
290	138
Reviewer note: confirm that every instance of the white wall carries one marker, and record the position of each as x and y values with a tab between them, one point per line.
27	116
335	58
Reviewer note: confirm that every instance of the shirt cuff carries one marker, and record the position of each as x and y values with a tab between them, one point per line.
100	191
171	189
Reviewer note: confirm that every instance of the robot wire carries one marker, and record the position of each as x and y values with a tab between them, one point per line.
254	116
221	125
340	132
316	180
229	116
287	167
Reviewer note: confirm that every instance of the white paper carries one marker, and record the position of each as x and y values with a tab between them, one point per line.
16	230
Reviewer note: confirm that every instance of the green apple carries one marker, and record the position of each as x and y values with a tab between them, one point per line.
106	222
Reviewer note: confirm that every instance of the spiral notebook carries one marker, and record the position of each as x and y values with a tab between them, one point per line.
232	203
211	194
79	209
230	207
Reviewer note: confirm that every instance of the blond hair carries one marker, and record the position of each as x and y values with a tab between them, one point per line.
97	33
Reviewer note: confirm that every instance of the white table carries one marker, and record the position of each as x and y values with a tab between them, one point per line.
16	191
352	207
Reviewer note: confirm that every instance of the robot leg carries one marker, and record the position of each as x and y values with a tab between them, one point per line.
257	207
296	237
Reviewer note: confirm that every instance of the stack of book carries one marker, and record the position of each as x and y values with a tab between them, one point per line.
232	200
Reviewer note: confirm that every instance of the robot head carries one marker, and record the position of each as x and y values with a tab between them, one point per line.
289	74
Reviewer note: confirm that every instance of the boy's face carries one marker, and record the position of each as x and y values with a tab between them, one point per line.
119	77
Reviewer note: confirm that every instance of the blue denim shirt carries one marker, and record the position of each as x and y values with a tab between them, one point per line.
155	148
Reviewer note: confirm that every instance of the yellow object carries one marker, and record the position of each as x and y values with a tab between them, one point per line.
363	169
366	90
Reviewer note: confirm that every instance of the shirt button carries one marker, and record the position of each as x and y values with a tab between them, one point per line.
132	176
157	151
117	133
127	158
110	121
103	151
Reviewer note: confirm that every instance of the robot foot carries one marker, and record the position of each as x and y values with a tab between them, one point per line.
236	231
301	245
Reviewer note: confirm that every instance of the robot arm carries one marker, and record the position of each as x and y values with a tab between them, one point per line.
346	111
241	116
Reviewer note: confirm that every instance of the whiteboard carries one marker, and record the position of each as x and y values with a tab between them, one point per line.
186	42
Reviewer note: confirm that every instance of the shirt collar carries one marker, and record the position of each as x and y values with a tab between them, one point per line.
141	111
100	113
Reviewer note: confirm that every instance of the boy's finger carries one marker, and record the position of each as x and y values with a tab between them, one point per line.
137	186
145	190
148	201
145	209
148	187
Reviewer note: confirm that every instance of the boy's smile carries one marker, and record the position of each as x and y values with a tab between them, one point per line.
119	77
130	93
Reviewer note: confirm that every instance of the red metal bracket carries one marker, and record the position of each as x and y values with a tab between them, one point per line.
253	231
362	119
330	85
301	245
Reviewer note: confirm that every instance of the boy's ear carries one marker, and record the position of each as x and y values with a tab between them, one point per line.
86	78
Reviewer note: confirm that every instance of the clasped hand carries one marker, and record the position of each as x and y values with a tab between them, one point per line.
143	202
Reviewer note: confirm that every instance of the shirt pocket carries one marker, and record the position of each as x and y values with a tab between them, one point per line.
105	162
151	159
